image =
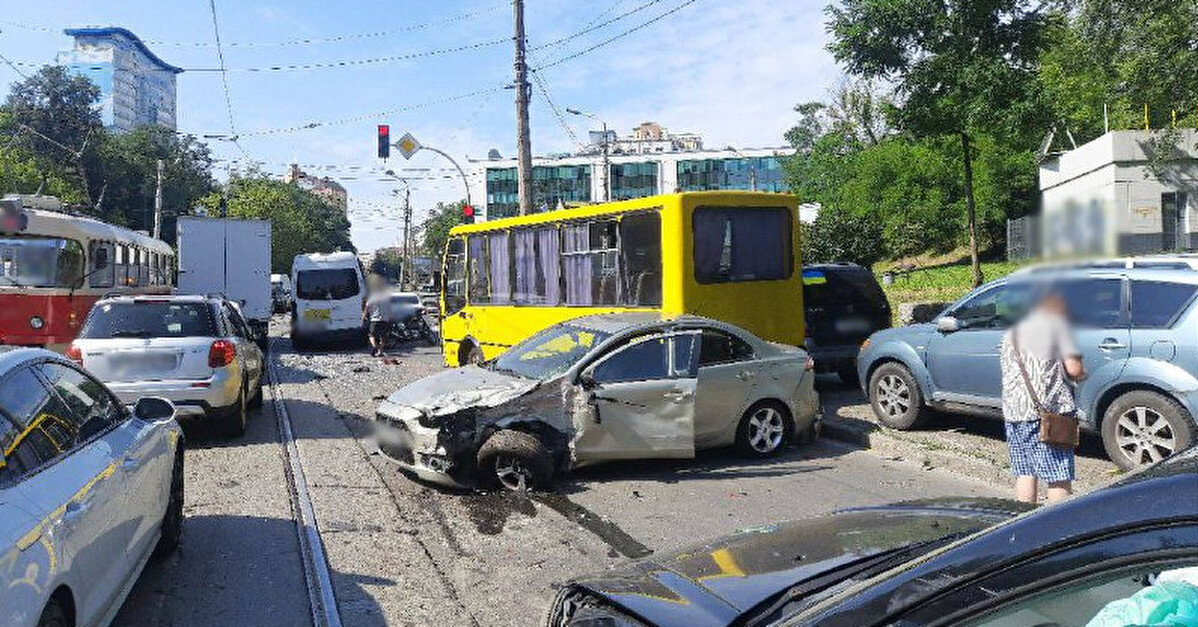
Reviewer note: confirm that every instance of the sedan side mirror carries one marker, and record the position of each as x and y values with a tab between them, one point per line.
948	324
587	381
154	409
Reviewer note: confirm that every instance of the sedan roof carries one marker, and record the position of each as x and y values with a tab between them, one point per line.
615	322
13	356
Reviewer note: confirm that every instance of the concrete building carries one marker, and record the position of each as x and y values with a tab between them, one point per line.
136	87
1103	198
326	188
646	138
577	179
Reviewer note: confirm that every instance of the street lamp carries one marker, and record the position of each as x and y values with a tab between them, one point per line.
606	166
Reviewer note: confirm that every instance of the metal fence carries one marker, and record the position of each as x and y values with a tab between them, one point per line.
1023	238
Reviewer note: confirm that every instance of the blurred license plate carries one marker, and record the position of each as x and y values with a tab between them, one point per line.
143	363
852	325
317	314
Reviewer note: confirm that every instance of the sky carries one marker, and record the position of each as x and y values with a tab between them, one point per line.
731	70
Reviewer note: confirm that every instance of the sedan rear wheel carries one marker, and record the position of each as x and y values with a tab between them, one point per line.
895	397
172	522
1143	427
53	615
764	430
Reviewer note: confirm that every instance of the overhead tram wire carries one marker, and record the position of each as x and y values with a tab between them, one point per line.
224	79
13	66
613	38
561	119
604	13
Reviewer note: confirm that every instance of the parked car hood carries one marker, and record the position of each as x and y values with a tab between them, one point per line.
715	582
453	390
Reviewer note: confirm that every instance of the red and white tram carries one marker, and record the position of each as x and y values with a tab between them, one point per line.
54	266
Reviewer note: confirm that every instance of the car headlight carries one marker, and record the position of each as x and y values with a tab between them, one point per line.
36	322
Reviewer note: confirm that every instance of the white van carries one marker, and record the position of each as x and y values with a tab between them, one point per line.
328	297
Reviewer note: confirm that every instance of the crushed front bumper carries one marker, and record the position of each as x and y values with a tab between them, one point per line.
416	449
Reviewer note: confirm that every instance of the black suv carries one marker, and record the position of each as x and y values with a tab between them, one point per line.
843	305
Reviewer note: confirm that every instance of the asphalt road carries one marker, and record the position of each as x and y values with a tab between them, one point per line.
401	552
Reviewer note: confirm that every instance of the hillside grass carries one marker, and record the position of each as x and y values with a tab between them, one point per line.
939	283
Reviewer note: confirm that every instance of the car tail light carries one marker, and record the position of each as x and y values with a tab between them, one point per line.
75	354
221	354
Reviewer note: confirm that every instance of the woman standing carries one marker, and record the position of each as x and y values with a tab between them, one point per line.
1038	355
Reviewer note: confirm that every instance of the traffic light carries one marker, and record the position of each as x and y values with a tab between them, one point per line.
384	141
467	214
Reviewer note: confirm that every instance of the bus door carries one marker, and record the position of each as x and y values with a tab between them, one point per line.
453	298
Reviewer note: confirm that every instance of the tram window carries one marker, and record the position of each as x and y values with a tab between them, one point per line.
121	267
102	267
69	269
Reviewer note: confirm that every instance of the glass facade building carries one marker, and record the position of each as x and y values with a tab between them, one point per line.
731	173
551	186
633	180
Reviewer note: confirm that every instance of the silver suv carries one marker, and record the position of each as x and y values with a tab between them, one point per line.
196	351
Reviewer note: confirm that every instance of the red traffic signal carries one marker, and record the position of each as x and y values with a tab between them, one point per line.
467	213
384	141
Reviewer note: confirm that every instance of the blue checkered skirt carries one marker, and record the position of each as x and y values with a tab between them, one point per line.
1031	457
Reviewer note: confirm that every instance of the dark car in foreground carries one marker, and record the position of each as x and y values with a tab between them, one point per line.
842	305
935	562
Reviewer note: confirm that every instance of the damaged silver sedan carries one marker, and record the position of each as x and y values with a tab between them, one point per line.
600	388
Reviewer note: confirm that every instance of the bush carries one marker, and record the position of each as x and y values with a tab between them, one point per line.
840	236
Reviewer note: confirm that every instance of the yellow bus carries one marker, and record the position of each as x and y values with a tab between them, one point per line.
732	256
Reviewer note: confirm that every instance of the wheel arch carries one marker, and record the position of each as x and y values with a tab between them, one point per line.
65	598
918	371
1110	395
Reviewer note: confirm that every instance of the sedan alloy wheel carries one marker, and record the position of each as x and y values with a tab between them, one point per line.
894	395
766	429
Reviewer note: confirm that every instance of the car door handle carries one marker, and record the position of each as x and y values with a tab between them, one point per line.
130	463
1111	343
745	375
677	396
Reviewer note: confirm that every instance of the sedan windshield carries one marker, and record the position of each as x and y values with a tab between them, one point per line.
550	352
150	319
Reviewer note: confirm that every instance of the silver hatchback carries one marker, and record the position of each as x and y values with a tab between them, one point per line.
196	351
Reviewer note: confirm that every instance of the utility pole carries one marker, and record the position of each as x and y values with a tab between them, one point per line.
407	223
158	202
606	167
523	143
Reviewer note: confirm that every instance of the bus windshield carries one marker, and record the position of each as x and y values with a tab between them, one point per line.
330	284
550	352
40	262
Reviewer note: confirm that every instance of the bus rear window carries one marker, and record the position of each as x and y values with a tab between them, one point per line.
734	244
327	284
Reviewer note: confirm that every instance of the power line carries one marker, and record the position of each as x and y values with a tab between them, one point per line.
561	119
621	35
596	27
356	118
317	65
602	14
13	66
298	41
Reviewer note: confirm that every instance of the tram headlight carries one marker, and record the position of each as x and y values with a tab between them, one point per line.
36	322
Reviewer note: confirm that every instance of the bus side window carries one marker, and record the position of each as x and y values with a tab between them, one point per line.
102	264
590	261
479	266
455	276
536	266
640	259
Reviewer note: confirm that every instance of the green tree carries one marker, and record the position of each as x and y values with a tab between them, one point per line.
962	68
128	169
387	262
301	221
838	235
52	116
436	229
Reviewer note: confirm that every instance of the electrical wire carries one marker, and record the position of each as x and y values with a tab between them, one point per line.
596	27
13	66
539	81
297	41
621	35
356	118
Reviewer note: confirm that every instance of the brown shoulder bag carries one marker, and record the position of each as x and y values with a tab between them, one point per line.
1060	430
